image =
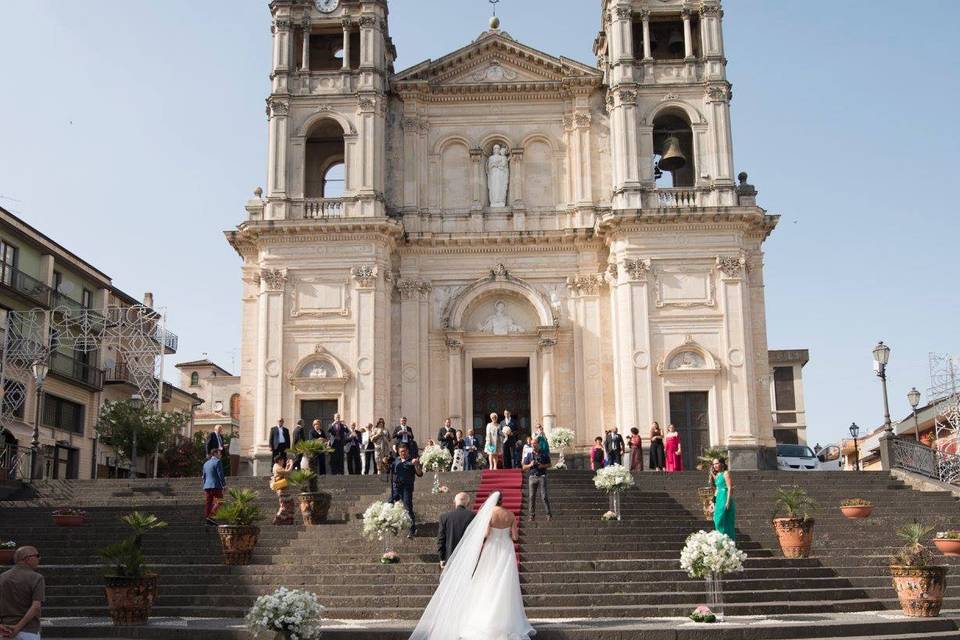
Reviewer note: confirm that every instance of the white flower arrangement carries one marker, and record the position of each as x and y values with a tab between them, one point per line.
561	437
613	479
560	466
436	458
382	519
710	552
295	613
608	516
9	544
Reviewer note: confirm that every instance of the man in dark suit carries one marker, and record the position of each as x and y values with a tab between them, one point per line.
614	447
447	437
215	441
298	435
452	525
339	432
402	434
279	438
404	473
319	463
510	454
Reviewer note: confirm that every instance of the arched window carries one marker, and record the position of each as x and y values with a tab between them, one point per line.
194	379
235	406
324	153
673	148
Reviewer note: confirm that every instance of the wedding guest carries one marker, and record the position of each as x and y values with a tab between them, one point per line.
213	483
403	434
614	447
636	450
509	446
369	466
492	446
470	448
351	449
724	509
405	472
657	457
318	464
279	438
597	454
216	441
298	434
22	596
381	444
447	436
536	464
452	525
459	454
527	448
674	456
338	434
281	485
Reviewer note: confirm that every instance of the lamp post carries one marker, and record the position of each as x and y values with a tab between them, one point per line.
854	432
881	356
913	397
40	369
137	403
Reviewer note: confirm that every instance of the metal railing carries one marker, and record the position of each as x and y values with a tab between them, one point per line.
76	370
913	456
11	462
23	284
168	339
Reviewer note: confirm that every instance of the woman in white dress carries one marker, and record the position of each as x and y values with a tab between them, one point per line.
492	446
453	613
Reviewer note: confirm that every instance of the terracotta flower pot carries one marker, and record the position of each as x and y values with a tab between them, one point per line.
68	520
795	536
857	512
947	546
6	556
131	599
238	542
920	589
314	507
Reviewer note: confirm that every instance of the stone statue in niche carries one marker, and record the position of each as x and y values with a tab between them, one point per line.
498	175
499	324
316	370
687	360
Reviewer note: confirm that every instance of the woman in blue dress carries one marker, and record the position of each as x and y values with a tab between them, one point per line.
724	508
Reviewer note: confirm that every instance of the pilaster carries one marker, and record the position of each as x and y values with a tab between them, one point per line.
630	320
585	291
270	387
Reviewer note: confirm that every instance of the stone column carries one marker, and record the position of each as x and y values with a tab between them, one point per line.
711	33
368	43
516	178
346	43
414	353
630	320
277	111
455	378
585	290
687	35
411	163
371	323
581	121
645	16
476	160
269	364
281	45
548	340
718	102
305	61
739	422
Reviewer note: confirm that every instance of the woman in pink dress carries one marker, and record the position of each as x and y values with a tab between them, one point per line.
672	446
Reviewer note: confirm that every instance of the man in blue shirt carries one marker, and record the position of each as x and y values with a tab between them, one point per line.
213	483
404	474
536	464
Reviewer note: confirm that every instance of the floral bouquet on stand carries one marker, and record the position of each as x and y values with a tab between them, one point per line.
709	555
384	521
436	459
286	613
559	439
613	480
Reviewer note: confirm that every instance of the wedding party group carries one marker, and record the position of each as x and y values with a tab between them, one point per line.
665	452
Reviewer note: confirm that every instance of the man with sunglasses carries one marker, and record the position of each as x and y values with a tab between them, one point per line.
21	597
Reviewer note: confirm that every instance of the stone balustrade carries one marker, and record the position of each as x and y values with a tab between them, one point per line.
321	208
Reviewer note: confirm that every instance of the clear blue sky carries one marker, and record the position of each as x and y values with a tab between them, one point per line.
133	132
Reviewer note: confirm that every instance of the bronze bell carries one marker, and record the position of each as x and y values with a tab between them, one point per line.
672	157
675	44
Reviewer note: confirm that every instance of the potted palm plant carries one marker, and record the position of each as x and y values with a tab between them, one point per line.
705	463
310	449
795	527
920	585
238	533
314	504
131	589
855	508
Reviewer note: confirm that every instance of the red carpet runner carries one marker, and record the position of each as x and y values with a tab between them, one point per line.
509	482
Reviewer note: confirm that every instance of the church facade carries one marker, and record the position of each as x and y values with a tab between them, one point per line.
500	228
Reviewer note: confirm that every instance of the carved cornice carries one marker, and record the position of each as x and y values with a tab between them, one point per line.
365	275
273	279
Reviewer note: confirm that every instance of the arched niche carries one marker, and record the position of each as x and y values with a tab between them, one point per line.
319	370
499	282
689	357
324	149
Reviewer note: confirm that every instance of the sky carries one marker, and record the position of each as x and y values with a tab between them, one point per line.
133	132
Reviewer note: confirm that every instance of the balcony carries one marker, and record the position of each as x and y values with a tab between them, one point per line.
120	374
168	339
27	286
76	371
675	198
323	208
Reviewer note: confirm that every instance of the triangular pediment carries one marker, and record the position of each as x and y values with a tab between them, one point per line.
495	58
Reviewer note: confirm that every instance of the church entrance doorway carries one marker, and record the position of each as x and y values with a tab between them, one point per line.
689	414
498	384
322	410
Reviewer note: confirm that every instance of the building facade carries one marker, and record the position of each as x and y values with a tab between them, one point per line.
218	391
501	228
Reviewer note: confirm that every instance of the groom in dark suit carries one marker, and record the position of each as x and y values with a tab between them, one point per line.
452	525
279	438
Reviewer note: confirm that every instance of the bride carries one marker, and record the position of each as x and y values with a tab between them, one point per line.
479	593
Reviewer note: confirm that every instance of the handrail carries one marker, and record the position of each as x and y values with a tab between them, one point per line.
910	455
25	284
76	370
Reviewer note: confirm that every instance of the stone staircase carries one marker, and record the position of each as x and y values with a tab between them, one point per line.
604	580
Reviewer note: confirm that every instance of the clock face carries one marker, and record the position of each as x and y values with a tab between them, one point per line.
326	6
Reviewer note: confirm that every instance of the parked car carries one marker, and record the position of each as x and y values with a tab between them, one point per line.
796	457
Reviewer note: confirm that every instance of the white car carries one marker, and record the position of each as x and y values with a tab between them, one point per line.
796	457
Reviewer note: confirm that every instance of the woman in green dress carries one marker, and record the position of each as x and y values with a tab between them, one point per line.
724	508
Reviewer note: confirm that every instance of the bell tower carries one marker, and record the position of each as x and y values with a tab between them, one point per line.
685	241
327	109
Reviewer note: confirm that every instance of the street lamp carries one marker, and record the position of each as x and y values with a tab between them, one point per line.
913	397
854	432
40	369
137	403
881	356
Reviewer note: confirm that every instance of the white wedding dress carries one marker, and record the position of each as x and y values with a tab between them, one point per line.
479	593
